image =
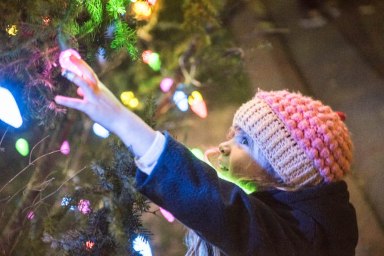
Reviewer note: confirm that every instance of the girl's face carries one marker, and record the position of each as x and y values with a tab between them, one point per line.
236	162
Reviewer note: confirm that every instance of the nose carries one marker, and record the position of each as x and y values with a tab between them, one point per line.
225	148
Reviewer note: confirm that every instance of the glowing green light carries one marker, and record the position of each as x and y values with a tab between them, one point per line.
154	61
22	147
247	186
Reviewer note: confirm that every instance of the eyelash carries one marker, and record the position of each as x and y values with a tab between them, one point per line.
243	140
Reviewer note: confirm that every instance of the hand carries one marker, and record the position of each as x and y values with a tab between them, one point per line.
102	106
97	101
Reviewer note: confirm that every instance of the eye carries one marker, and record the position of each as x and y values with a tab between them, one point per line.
244	141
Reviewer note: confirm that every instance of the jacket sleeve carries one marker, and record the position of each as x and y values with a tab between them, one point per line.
217	210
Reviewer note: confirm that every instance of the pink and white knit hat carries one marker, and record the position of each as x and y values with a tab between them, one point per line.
304	141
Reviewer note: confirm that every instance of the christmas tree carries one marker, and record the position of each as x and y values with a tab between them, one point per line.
65	190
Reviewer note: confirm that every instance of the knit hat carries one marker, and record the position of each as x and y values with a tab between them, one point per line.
304	140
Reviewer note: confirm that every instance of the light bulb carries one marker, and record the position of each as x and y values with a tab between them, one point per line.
9	111
22	146
100	131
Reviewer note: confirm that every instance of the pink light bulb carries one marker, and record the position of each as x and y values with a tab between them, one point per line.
66	63
198	105
65	149
30	215
166	84
167	215
146	56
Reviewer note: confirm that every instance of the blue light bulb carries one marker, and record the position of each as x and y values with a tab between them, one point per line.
181	100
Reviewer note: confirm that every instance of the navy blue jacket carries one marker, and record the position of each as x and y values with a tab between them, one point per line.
313	221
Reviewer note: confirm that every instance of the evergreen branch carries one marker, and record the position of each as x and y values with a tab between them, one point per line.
116	8
26	59
95	10
125	37
43	33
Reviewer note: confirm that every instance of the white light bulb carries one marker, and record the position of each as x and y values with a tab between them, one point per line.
100	131
9	111
142	246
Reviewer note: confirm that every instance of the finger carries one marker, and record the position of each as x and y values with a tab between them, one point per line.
87	71
65	62
80	92
70	102
86	88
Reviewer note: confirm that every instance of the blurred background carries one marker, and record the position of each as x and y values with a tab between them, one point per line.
184	66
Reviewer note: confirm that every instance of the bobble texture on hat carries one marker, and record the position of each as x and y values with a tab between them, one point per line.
304	140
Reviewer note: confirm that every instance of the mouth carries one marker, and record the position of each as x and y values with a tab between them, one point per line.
223	168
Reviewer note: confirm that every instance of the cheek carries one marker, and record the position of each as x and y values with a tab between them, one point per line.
243	166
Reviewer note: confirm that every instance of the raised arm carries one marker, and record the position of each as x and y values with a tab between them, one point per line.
102	106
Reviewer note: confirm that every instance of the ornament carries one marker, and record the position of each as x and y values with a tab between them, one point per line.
128	99
141	246
166	84
9	111
167	215
197	104
100	131
22	146
181	100
12	30
84	206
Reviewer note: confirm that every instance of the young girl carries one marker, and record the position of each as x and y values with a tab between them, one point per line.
292	149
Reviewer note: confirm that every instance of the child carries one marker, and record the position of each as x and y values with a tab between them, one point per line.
295	151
